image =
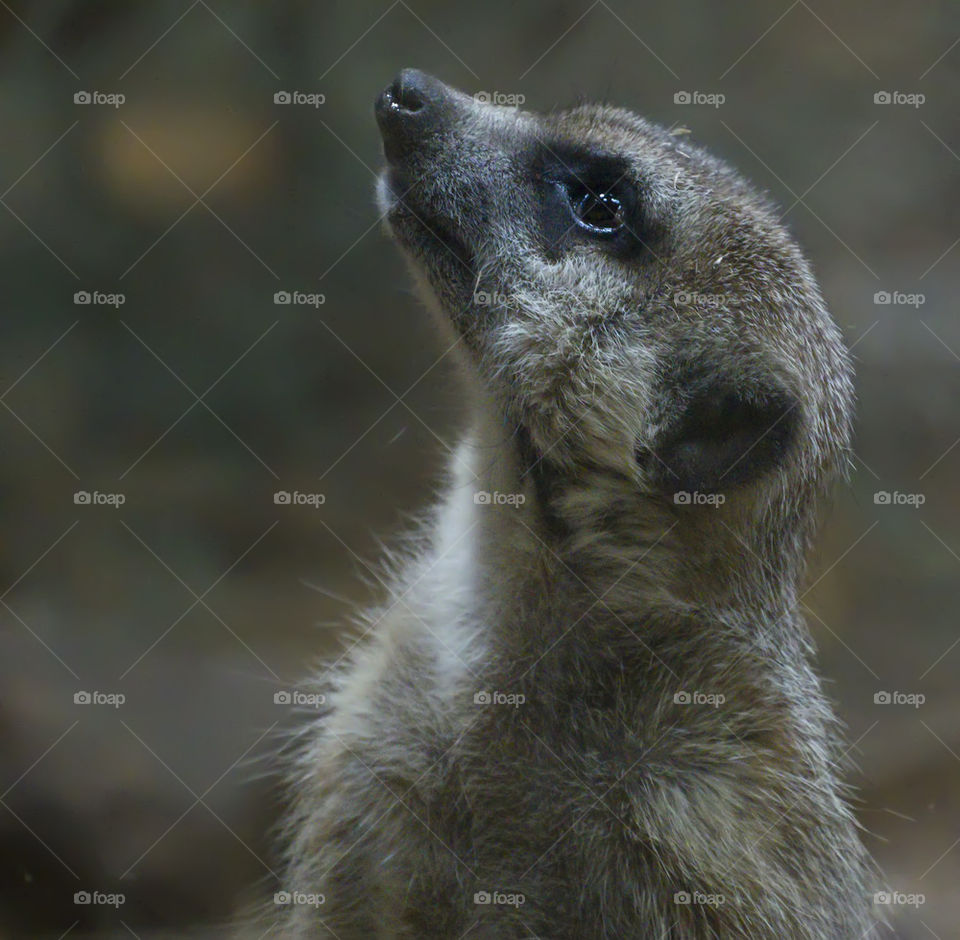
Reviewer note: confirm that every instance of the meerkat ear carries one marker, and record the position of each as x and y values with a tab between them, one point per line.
725	437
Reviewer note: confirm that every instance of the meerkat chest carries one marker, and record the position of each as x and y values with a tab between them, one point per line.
519	811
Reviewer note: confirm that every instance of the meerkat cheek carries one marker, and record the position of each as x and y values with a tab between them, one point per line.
725	439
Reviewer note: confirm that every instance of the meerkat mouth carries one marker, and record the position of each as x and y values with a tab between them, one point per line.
419	226
447	239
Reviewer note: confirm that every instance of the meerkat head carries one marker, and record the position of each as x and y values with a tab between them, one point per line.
634	309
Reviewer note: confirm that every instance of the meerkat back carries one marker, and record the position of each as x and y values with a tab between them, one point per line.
586	709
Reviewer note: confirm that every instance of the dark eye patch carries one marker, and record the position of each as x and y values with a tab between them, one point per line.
589	196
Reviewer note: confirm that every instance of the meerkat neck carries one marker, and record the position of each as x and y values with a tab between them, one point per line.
525	539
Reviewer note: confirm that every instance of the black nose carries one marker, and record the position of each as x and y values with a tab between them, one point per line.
409	109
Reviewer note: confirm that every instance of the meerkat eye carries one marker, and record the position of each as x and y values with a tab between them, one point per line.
600	213
590	196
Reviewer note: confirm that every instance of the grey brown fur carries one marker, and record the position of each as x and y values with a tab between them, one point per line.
605	377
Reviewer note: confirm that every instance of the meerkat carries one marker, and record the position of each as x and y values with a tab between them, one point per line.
587	708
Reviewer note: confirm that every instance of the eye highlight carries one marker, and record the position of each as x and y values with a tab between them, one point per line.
600	213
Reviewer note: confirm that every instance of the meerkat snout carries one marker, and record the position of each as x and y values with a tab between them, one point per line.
408	110
586	708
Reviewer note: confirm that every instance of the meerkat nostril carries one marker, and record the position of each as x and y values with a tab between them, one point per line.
405	98
410	110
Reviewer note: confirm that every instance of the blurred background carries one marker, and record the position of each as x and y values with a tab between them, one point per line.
172	173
